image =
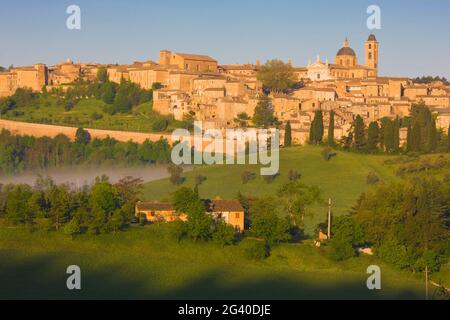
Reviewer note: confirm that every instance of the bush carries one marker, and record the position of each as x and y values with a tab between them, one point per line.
224	233
258	251
175	174
160	125
247	176
96	116
372	178
271	178
328	154
178	230
294	175
341	249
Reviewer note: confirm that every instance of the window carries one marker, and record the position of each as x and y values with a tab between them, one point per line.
370	46
370	55
238	215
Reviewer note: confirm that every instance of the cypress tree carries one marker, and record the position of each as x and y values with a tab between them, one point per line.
388	132
373	137
288	135
432	136
359	132
416	138
409	139
331	130
396	135
448	139
312	137
319	127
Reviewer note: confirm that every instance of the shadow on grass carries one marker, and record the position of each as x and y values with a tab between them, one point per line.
36	278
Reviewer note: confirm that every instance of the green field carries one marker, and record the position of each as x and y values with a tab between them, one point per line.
343	179
82	115
145	263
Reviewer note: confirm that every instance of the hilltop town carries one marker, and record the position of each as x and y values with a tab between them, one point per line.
197	85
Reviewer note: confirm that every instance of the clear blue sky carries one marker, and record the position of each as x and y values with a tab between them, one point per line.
414	39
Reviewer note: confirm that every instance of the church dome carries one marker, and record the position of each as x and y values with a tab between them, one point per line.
346	50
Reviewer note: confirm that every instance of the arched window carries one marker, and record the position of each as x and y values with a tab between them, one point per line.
370	55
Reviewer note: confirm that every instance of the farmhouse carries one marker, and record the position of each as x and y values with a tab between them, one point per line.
230	211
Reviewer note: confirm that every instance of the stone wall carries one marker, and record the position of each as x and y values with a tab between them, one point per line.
45	130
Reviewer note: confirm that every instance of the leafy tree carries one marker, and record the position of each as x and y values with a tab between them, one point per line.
72	228
82	136
60	206
224	233
199	223
266	223
17	209
288	135
183	199
175	174
276	76
263	116
295	198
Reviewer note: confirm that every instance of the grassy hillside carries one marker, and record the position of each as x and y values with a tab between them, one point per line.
343	179
146	263
88	113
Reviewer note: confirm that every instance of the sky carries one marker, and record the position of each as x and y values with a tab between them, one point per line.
414	36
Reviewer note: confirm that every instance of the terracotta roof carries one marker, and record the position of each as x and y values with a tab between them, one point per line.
223	205
154	206
372	37
346	51
197	57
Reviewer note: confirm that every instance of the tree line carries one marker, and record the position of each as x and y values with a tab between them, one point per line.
383	136
100	208
406	223
22	153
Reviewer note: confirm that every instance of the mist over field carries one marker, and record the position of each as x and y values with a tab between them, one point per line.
79	176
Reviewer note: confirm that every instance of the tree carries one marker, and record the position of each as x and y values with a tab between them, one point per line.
175	174
266	223
263	116
372	137
416	138
17	209
295	198
276	76
448	139
396	136
102	75
409	139
82	136
387	128
331	130
104	200
359	135
183	199
316	129
72	228
224	233
59	199
199	223
288	135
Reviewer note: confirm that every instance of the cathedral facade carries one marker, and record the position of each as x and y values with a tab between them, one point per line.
346	65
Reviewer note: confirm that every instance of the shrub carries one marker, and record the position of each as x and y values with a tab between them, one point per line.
258	251
372	178
328	154
224	233
294	175
96	116
247	176
271	178
341	249
175	174
160	125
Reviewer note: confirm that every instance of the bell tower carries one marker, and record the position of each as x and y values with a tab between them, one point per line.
371	47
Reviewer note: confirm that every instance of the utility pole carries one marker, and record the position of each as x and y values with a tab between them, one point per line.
426	281
329	219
